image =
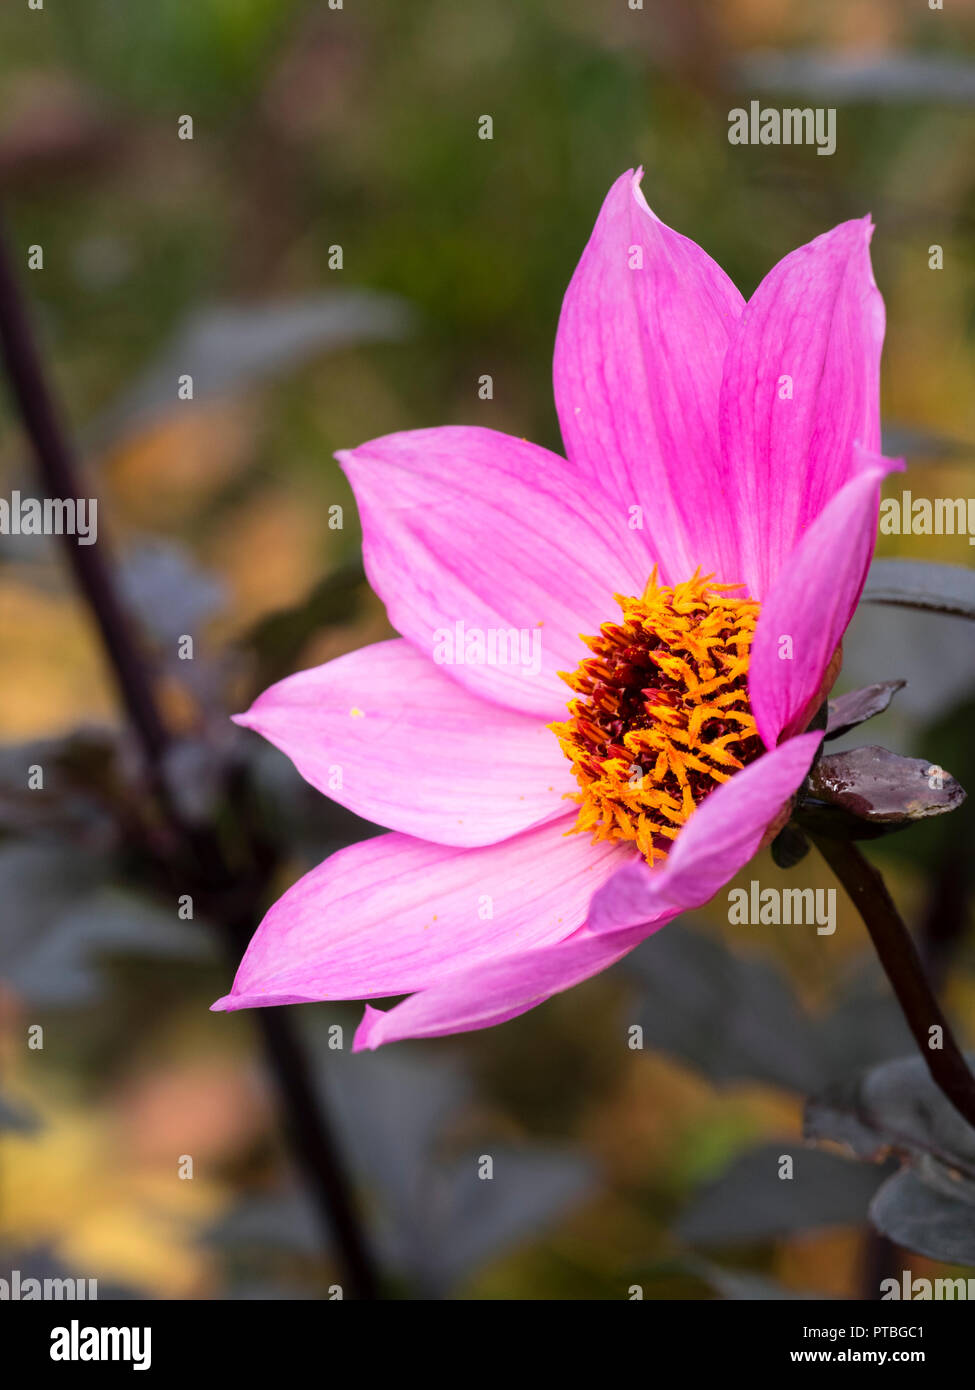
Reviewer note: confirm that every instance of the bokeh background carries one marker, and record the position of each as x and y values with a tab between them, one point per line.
316	128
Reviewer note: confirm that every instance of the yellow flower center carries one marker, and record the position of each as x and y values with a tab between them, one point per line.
661	713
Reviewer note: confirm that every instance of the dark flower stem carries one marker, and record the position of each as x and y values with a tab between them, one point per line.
61	479
198	854
905	970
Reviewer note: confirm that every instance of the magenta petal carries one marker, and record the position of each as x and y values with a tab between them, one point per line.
471	526
386	733
813	328
495	991
393	914
718	839
811	602
641	342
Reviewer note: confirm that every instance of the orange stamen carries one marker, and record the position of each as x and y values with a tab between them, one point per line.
661	714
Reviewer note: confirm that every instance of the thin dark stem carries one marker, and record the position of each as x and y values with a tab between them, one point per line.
905	971
60	476
199	852
314	1142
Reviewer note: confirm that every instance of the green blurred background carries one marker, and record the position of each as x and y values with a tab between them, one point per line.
316	128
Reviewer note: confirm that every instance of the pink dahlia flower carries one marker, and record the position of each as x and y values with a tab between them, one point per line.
710	529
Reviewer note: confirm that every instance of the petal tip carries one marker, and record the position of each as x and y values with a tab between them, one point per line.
639	197
873	463
367	1036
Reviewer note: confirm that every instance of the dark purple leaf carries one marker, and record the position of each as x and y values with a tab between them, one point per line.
789	847
847	711
919	584
870	791
731	1017
897	1108
751	1202
925	1219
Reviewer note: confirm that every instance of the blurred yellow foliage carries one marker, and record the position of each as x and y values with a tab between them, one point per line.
59	679
74	1187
